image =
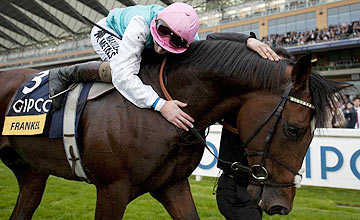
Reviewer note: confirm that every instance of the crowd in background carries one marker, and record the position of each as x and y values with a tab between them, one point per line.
333	32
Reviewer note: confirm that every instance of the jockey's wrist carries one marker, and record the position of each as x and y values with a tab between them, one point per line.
158	104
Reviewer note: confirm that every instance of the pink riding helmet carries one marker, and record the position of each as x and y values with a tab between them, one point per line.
182	19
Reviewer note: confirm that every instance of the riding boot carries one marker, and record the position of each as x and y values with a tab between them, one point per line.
62	78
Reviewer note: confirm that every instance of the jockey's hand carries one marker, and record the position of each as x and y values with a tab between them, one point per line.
263	49
172	112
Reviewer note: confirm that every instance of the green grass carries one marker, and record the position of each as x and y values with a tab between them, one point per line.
74	200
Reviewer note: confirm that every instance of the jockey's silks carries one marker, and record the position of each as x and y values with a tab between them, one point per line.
119	18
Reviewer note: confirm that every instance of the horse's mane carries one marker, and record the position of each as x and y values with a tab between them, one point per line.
232	61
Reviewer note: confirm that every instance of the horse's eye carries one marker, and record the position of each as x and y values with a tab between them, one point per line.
293	132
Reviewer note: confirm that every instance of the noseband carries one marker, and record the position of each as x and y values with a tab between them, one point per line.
258	172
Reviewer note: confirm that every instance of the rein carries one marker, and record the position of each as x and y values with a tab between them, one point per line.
258	171
162	85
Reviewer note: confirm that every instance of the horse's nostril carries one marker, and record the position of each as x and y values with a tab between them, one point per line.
278	210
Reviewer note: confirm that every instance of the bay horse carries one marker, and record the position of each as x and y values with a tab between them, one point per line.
127	151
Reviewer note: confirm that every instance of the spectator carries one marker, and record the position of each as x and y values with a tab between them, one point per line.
357	28
346	110
353	114
356	102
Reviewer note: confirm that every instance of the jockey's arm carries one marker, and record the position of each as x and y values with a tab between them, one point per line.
264	50
126	65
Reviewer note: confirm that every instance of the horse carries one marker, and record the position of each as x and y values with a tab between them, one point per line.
127	151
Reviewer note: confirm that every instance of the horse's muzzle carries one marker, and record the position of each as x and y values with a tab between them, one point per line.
273	200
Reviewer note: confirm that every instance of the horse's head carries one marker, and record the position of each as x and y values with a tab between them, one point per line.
278	100
277	128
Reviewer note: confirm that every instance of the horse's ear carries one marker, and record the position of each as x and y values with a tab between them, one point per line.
301	71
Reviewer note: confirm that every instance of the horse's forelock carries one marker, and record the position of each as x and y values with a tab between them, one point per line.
325	95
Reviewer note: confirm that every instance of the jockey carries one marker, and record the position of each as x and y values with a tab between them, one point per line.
169	29
132	29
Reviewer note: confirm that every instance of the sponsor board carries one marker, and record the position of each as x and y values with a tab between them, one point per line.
333	158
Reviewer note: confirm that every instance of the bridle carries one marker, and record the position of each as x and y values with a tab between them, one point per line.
258	172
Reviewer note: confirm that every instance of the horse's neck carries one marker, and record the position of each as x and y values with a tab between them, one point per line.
207	98
204	96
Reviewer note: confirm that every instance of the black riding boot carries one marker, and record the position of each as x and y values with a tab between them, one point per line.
61	78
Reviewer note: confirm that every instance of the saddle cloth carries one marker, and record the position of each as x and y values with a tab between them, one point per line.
31	113
28	111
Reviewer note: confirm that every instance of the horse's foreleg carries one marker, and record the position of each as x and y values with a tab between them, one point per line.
178	201
31	184
111	201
